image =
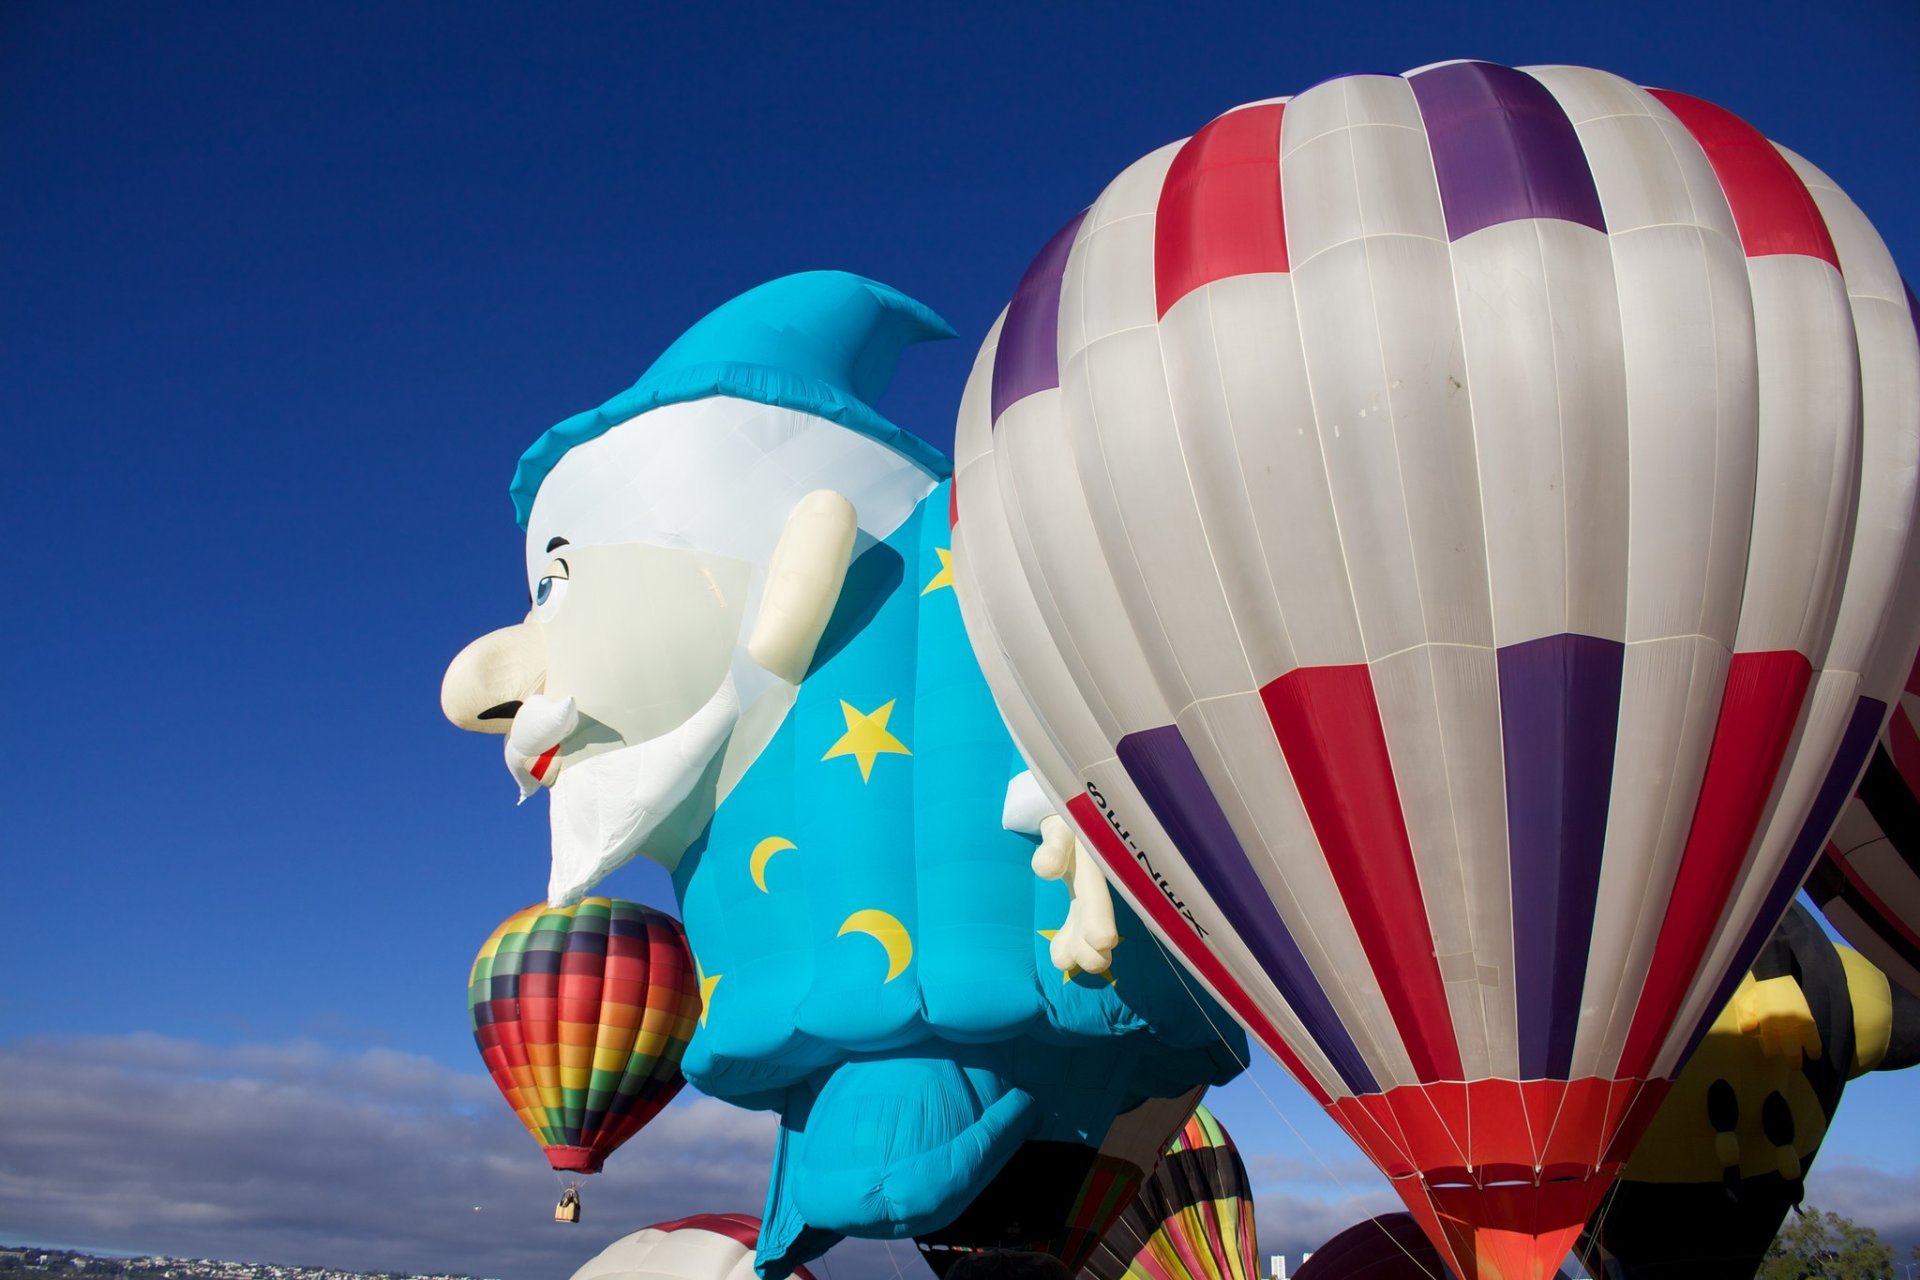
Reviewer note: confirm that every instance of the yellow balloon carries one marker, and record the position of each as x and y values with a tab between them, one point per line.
757	864
888	932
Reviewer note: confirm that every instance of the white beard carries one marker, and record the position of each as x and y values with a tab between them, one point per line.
604	808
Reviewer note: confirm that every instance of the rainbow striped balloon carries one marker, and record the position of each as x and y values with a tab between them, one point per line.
581	1014
1193	1219
1449	540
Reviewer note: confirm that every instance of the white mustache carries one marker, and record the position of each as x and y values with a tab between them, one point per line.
604	808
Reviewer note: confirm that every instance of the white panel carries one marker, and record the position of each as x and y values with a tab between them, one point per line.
1808	474
1885	528
1124	437
1452	877
1232	741
1354	416
1466	695
1647	167
973	424
1335	104
1669	704
1543	362
1108	284
1424	369
1692	429
1220	483
1263	377
1068	570
1110	279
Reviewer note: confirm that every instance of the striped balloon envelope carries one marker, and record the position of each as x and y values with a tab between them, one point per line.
706	1246
1868	884
1193	1220
1448	542
581	1014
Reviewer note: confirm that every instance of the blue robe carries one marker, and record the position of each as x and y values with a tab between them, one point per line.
889	991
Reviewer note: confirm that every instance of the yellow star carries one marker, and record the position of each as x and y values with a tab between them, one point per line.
944	578
706	988
1075	970
866	738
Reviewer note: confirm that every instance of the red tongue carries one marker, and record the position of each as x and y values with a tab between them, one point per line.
545	762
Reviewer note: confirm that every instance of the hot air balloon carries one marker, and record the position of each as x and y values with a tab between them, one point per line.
581	1014
1061	1197
1193	1220
1868	884
706	1246
1448	542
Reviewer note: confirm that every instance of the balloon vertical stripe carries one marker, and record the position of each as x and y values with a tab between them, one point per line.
1152	899
1162	767
1868	715
1771	206
1503	149
1329	729
1765	692
1029	347
1559	713
1220	209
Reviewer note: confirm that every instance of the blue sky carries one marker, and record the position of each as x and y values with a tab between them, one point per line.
286	290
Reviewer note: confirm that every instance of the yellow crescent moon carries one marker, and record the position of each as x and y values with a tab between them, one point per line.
757	864
888	932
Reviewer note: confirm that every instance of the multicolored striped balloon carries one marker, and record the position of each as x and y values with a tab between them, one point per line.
581	1014
1448	540
1868	885
1193	1220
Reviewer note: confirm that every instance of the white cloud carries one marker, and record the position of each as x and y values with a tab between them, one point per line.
300	1153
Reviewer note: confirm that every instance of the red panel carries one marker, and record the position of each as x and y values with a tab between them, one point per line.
1771	206
1329	729
1120	861
1219	211
1571	1146
1434	1118
1758	713
1497	1129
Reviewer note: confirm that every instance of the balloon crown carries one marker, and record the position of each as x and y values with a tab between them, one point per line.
822	342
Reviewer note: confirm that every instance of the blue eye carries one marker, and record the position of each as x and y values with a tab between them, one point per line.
541	592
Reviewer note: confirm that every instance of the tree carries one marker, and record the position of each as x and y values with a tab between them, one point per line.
1829	1247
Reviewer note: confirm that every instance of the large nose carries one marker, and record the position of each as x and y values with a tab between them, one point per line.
488	680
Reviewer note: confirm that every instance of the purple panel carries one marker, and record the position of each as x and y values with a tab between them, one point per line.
1163	768
1849	762
1029	356
1559	713
1502	149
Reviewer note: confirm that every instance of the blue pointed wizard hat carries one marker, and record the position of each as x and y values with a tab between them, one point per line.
822	342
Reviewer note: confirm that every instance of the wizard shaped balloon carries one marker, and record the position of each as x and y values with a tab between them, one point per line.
744	661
